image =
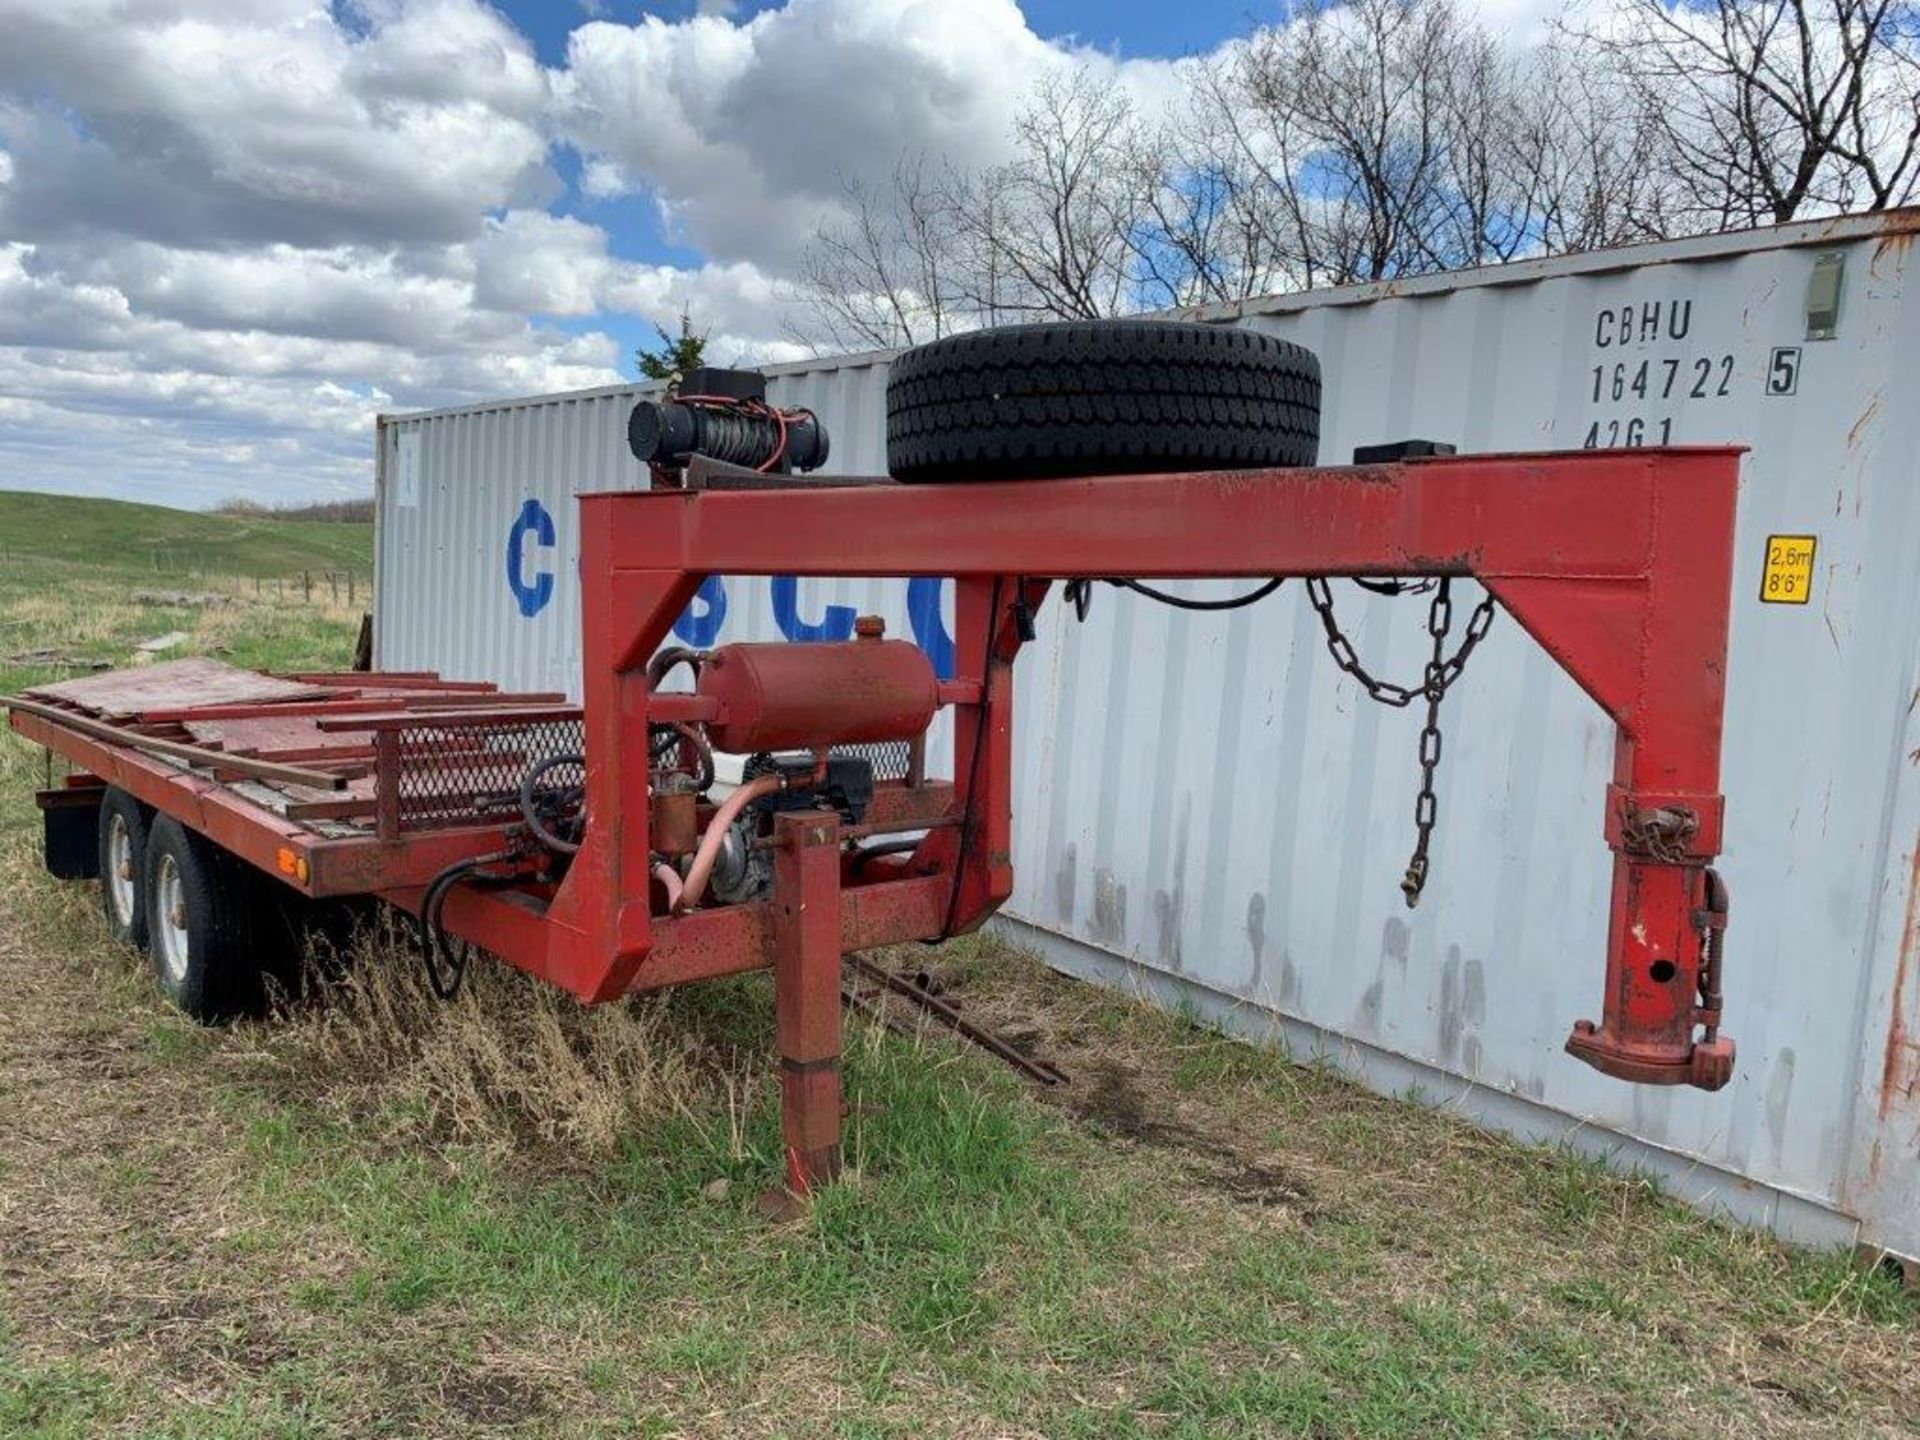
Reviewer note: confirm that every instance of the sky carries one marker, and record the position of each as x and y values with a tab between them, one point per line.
234	231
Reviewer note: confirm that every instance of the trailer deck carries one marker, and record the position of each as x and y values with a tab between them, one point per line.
285	770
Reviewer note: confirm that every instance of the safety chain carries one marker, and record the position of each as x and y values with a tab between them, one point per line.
1442	670
1665	835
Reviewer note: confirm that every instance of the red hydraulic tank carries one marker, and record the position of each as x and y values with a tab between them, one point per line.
808	696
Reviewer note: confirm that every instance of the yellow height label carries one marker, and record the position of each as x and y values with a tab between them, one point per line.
1787	576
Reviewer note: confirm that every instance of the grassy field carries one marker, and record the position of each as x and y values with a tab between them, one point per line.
73	574
118	535
380	1216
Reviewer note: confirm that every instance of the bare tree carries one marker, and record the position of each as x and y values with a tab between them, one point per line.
887	274
1359	140
1354	103
1770	109
1375	138
1214	222
1054	232
1585	154
1051	233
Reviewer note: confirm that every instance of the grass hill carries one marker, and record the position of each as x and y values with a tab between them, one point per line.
84	582
154	540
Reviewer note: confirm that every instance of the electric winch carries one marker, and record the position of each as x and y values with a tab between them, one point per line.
724	416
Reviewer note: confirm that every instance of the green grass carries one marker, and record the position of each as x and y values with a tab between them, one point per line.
71	572
324	1227
150	541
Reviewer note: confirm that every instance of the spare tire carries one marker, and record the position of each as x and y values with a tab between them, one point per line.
1100	397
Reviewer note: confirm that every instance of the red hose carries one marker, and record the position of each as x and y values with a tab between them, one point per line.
716	833
669	877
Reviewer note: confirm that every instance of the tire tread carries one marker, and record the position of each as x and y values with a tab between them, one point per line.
224	977
1093	397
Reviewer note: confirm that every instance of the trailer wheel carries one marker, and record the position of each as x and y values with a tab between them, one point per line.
202	919
300	939
123	861
1100	397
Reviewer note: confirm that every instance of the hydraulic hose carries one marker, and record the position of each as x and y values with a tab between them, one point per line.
446	969
715	836
530	810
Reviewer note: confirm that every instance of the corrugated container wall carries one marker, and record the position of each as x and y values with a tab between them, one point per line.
1206	809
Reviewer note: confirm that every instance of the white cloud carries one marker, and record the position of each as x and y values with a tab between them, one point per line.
745	133
233	230
266	122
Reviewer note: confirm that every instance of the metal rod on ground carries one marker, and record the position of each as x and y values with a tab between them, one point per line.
1044	1071
854	1000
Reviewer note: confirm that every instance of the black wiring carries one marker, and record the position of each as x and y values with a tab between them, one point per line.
1079	594
1395	587
886	847
661	739
1181	602
663	663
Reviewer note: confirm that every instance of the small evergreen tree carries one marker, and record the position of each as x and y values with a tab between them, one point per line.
676	355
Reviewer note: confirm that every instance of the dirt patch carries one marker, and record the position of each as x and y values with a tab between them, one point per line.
1116	1087
1110	1098
487	1396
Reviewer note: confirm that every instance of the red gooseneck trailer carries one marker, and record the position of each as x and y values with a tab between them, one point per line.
592	846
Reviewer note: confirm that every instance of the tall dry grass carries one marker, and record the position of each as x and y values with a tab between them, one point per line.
510	1060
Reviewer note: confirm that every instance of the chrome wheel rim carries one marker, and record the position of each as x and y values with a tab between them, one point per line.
169	925
120	884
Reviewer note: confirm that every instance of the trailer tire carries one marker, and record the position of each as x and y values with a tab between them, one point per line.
1100	397
124	823
202	924
301	940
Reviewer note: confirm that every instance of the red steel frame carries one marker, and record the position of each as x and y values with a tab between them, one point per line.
1619	563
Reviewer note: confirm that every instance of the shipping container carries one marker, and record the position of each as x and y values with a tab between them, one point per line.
1210	812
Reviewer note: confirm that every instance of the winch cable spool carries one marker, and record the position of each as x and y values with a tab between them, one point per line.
736	431
1439	676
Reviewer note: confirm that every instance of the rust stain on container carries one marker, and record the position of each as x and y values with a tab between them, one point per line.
1896	237
1902	1074
1866	418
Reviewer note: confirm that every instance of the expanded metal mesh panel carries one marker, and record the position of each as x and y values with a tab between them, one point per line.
465	775
891	759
